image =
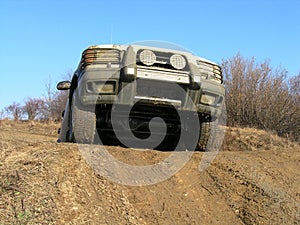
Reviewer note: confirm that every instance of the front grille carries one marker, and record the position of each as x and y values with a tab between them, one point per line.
99	56
160	89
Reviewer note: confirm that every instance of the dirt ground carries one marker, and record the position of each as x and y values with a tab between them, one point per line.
255	179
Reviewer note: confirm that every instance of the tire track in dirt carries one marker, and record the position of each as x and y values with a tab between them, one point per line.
261	188
186	198
50	183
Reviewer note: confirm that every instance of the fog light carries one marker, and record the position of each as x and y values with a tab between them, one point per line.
177	61
208	99
147	57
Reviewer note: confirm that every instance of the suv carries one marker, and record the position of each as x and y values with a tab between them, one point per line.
121	88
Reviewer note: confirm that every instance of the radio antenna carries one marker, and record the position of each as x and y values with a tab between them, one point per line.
111	34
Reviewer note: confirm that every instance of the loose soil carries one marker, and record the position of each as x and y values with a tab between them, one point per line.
255	179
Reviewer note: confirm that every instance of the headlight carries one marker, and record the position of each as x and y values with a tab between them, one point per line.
208	99
147	57
177	61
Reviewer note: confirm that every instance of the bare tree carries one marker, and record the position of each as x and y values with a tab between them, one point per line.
58	104
33	107
55	101
294	84
2	113
15	109
260	96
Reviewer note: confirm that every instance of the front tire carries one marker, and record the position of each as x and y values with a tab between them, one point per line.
83	123
208	130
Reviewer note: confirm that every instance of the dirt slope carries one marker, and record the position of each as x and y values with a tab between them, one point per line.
43	182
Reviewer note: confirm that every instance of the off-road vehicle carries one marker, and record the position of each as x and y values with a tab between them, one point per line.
141	82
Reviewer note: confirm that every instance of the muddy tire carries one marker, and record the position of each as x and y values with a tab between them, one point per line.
63	134
208	130
83	123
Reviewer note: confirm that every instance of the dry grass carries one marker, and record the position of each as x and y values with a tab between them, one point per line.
32	127
250	139
21	200
12	201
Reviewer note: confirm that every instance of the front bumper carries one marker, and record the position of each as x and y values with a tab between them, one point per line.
149	88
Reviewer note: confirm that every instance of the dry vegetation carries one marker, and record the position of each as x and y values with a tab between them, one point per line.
254	180
262	97
250	139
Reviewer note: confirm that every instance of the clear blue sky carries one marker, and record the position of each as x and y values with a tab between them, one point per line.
41	39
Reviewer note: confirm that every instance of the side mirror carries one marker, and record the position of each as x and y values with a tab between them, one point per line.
63	85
